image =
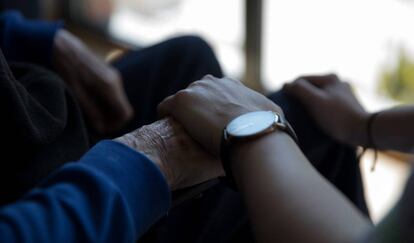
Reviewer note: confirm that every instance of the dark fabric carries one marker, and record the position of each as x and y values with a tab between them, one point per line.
218	215
113	194
30	9
44	128
24	40
41	127
335	161
152	74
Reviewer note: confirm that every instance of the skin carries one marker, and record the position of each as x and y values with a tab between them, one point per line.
325	95
391	130
180	159
271	172
208	105
97	86
287	199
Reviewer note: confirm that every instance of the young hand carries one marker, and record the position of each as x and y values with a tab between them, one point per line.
333	106
208	105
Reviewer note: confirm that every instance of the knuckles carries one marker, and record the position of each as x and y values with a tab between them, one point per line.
182	95
208	77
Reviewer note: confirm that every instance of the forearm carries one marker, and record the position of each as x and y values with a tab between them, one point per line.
288	199
26	40
113	194
392	129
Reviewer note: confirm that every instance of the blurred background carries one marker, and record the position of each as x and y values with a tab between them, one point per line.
266	43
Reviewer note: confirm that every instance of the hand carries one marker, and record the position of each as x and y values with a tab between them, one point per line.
207	106
182	161
333	106
97	86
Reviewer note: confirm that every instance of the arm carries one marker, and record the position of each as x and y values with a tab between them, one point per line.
97	86
27	40
112	194
324	96
287	199
392	129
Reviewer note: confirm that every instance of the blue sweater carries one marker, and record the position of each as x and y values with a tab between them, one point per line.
27	40
113	194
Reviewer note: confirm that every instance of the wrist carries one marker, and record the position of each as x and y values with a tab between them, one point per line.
247	128
357	134
257	153
144	142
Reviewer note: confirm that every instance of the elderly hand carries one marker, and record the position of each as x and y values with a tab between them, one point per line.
208	105
333	106
97	86
182	161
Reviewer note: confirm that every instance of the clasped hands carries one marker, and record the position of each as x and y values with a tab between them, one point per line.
185	143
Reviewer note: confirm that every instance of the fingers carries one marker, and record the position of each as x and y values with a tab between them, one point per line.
321	80
209	77
169	106
91	110
165	106
112	101
117	105
305	91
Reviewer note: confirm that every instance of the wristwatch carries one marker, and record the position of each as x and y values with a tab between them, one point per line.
248	127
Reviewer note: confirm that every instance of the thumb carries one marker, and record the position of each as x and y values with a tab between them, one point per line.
164	108
303	90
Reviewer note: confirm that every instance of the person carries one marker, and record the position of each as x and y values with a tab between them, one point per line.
288	200
219	214
114	193
58	98
50	122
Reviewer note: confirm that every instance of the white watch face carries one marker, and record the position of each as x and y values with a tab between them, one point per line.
251	123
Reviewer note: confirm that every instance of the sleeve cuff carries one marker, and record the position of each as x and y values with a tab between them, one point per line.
139	180
28	40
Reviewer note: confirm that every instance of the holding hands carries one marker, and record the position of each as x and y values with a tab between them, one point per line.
181	160
208	105
203	110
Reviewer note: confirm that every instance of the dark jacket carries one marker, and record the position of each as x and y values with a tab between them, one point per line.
41	124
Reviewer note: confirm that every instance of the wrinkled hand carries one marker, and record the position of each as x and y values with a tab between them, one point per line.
208	105
333	106
182	161
97	86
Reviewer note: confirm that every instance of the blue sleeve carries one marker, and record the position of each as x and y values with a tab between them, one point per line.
27	40
113	194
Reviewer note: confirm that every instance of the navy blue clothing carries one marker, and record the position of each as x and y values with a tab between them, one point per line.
113	194
27	40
